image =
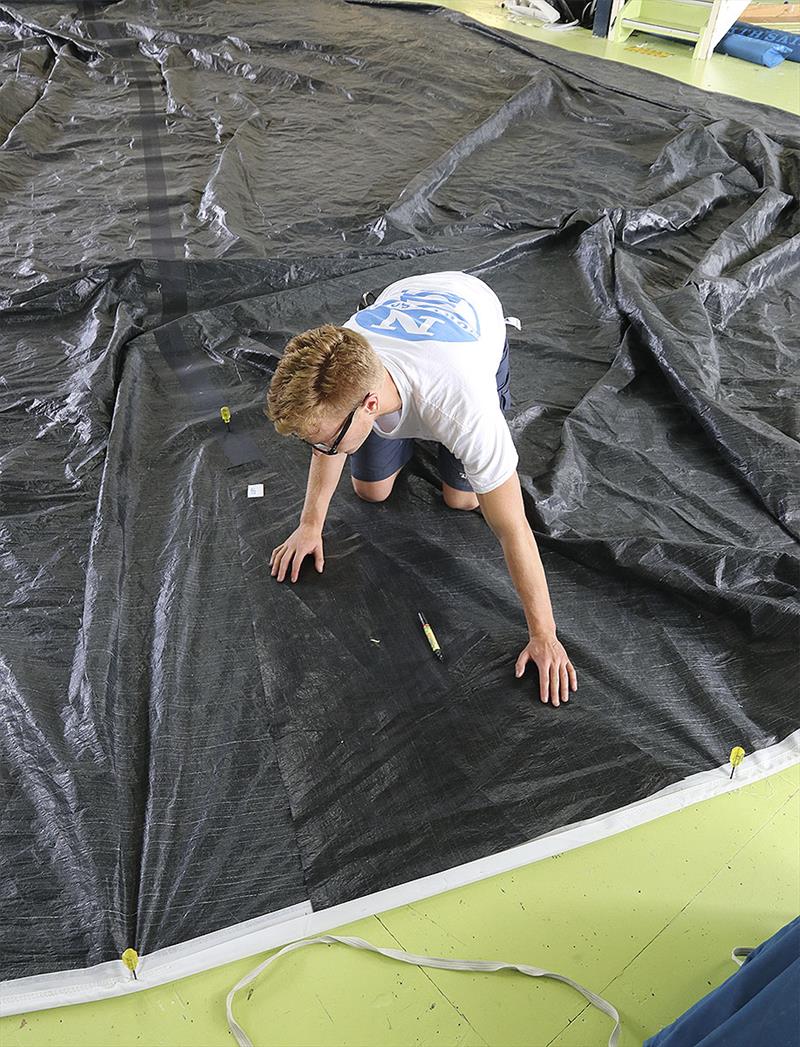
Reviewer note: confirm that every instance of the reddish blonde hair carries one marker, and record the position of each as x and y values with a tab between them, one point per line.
326	370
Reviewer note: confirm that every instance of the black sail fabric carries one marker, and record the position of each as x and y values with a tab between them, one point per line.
187	744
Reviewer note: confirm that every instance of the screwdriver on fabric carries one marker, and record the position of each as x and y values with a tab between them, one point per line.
431	637
225	415
131	960
736	757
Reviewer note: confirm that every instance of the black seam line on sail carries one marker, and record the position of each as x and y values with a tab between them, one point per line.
194	370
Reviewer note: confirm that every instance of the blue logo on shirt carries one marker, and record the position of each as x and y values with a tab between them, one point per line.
418	316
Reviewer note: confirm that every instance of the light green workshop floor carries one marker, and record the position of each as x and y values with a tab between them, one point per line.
647	919
779	86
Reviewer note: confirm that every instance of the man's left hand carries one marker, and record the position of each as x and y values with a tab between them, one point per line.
556	672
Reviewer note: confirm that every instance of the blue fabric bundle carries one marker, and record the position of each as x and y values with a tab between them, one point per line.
761	52
776	37
759	1004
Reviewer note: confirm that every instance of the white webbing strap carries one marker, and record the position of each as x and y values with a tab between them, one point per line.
740	955
418	961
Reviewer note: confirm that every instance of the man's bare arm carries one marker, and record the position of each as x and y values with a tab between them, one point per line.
323	478
504	511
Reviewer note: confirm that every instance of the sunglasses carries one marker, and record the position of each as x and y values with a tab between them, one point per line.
333	448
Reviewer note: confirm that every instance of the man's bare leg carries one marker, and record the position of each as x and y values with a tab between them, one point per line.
378	491
459	499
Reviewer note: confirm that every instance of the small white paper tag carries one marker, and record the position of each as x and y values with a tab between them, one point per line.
255	491
513	321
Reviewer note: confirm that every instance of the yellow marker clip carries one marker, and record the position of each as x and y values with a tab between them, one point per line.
131	960
225	415
736	757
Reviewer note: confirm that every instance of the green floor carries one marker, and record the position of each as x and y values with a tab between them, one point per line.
647	918
779	86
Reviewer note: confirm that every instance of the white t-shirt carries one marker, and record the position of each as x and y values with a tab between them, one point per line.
441	336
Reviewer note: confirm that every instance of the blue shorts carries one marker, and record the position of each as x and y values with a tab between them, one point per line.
378	457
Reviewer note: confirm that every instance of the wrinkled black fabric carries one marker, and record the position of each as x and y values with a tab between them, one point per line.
188	744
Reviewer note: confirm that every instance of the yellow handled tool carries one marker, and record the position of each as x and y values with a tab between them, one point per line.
431	637
736	757
131	960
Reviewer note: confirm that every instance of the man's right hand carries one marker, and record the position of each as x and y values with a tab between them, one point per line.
289	555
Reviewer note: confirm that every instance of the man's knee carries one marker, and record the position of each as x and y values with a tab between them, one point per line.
378	491
456	499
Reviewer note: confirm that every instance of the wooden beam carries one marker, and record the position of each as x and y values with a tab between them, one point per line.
760	14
